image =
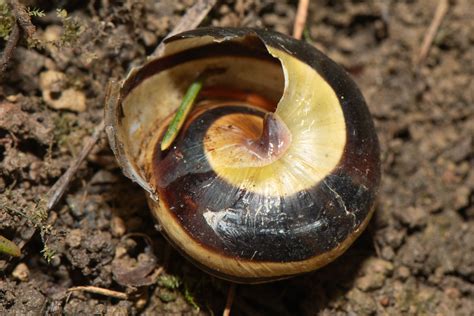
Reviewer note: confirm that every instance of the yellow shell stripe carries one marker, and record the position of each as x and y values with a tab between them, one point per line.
312	112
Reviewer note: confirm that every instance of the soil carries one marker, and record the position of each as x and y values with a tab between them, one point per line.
415	258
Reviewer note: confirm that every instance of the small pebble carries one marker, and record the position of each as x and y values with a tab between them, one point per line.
380	266
362	303
384	301
452	293
371	281
21	272
413	217
52	84
120	252
149	38
73	239
118	226
403	273
387	253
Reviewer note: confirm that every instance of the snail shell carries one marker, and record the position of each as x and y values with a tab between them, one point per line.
275	171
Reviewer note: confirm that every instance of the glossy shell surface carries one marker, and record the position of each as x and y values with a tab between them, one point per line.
276	170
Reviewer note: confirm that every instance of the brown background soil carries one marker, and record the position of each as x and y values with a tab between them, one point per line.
416	257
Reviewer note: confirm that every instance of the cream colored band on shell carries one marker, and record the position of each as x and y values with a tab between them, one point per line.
311	110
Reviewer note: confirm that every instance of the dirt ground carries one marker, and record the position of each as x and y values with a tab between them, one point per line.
415	258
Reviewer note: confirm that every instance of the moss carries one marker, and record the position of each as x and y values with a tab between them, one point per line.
34	12
7	20
48	253
37	217
72	29
189	297
168	281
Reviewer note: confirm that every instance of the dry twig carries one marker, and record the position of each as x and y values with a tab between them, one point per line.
23	21
10	47
99	290
300	20
230	299
57	190
440	13
189	21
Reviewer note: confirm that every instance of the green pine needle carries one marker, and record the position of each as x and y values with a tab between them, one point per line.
181	114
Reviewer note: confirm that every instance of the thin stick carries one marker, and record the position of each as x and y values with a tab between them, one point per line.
99	290
189	21
300	20
10	47
58	189
230	299
440	13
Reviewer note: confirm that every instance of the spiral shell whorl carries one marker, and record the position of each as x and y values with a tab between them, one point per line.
230	198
